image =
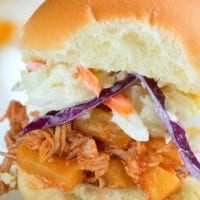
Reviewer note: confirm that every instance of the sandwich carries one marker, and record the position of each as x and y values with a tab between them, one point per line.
113	107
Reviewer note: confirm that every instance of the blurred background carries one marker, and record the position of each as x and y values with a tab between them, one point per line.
13	16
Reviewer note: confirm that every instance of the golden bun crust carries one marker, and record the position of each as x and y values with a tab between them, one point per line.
26	183
150	37
56	21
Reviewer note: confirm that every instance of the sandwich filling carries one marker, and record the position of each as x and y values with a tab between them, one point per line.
102	129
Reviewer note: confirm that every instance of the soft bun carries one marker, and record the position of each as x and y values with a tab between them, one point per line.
189	190
159	39
82	192
29	185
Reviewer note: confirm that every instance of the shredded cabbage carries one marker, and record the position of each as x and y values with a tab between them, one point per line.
193	121
53	88
180	107
132	125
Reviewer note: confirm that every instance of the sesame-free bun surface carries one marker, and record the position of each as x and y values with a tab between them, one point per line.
156	38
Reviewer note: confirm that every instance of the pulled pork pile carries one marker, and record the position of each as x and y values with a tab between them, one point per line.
93	142
18	118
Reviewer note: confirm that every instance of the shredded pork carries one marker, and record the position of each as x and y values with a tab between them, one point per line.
93	155
134	163
16	113
98	166
62	141
68	143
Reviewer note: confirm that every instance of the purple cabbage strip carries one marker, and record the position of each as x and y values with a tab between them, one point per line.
177	133
68	114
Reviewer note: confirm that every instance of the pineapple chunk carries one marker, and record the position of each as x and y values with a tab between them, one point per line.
116	176
159	183
169	152
100	127
60	172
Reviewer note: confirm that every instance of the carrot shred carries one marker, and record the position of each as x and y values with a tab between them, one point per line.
91	81
120	104
34	65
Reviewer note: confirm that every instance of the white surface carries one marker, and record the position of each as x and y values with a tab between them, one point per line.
11	63
18	10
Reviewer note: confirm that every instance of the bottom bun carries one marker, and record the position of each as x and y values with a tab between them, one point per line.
29	187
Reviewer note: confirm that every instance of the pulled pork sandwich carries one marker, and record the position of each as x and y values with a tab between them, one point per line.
113	101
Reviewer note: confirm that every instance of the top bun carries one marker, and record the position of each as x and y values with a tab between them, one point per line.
156	38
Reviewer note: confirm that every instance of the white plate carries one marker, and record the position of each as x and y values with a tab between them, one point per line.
10	67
